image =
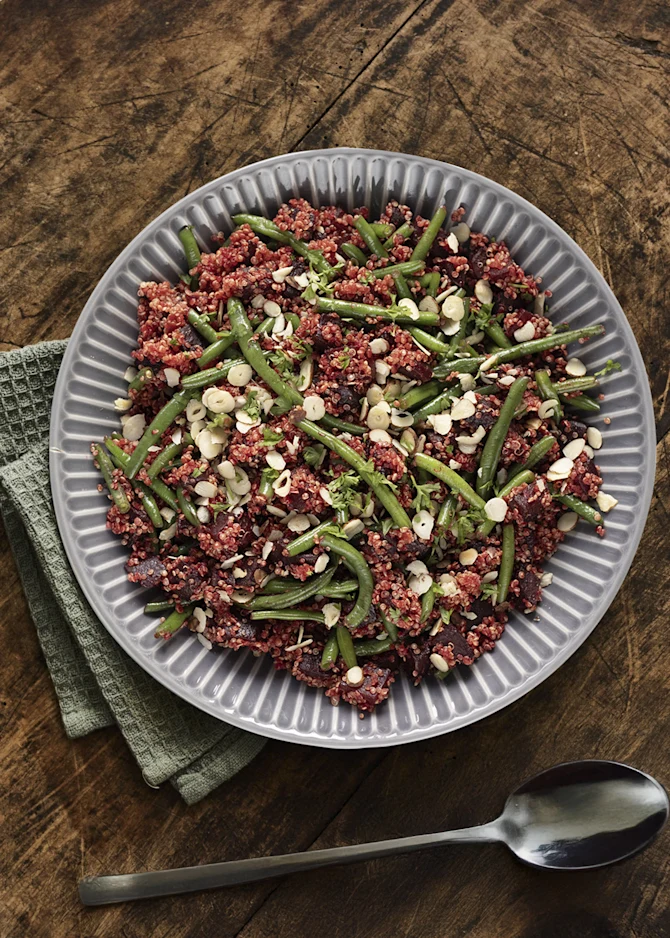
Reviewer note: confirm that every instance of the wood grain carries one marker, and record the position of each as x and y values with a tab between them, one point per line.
109	112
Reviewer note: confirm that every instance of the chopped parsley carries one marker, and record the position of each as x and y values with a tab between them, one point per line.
610	366
422	499
314	455
342	490
270	437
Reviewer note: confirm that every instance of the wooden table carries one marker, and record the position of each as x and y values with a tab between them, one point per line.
113	110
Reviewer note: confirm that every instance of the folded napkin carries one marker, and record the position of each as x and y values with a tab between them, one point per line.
96	683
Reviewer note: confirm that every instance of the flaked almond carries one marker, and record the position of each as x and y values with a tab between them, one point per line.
560	469
275	460
439	663
525	333
594	437
567	521
468	557
606	502
575	367
331	613
441	423
496	509
483	291
379	346
410	307
280	275
573	449
422	524
314	407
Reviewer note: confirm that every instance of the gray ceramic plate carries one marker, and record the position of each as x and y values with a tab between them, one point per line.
246	691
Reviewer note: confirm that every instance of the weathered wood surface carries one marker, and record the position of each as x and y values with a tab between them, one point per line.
109	112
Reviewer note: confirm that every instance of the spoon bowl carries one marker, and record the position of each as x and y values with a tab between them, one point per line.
582	815
575	816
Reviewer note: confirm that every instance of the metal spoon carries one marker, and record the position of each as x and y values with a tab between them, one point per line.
575	816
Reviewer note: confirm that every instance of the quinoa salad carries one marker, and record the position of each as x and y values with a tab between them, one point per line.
351	445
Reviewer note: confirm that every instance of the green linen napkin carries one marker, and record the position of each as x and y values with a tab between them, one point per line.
96	683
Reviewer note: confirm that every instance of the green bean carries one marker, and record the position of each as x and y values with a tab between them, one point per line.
294	319
548	392
431	282
161	605
506	563
254	354
140	379
216	349
164	457
450	478
201	325
304	541
581	508
427	604
365	649
369	235
575	384
122	460
536	454
149	504
461	366
106	468
404	231
545	344
294	597
357	563
173	623
255	357
436	406
496	334
265	327
446	514
402	287
265	485
268	229
341	515
426	240
383	491
289	615
190	245
390	626
354	253
367	311
165	416
165	493
280	585
488	463
340	590
187	508
330	652
583	403
382	229
210	375
430	342
523	478
405	268
418	395
343	425
346	646
459	337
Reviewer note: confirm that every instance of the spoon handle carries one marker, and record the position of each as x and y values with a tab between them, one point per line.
104	890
